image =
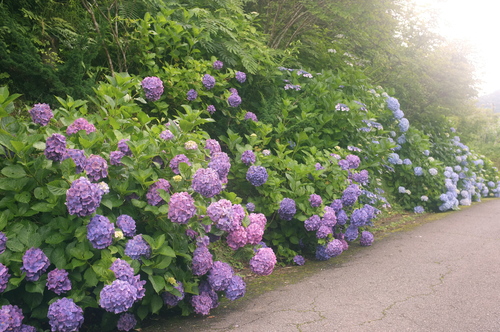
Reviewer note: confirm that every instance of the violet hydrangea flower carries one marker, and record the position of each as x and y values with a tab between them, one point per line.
35	263
212	145
78	157
257	175
166	135
202	304
334	248
208	81
218	64
191	95
251	116
366	238
115	158
220	162
153	195
220	275
248	157
96	168
126	322
241	76
287	209
11	318
41	114
153	87
392	104
206	182
313	223
202	261
83	197
137	247
123	147
171	299
127	224
122	269
263	262
100	232
234	99
236	288
4	277
3	242
211	109
58	281
351	233
342	217
250	208
353	161
80	124
174	163
237	238
299	260
181	207
55	147
118	297
351	194
315	200
227	217
64	315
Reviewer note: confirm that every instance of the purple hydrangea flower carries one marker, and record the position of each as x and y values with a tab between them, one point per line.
153	87
241	76
122	269
166	135
191	95
351	233
211	109
315	200
359	217
418	209
342	217
65	316
174	163
208	81
100	232
212	145
250	208
287	209
80	124
78	157
41	114
153	195
323	231
181	208
137	247
237	238
4	277
58	281
329	217
234	100
318	167
35	263
202	304
11	317
321	253
361	177
55	147
398	114
206	182
251	116
254	233
83	197
351	194
299	260
263	262
118	297
337	205
127	224
221	163
343	164
392	104
171	299
123	147
115	158
126	322
202	261
334	248
353	161
218	64
96	168
257	175
248	157
258	218
3	242
220	275
227	217
312	223
366	238
236	288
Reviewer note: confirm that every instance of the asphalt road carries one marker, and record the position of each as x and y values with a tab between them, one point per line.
441	276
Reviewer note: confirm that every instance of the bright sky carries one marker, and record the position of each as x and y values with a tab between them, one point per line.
477	22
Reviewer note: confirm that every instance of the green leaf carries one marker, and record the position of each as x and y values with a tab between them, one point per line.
55	238
80	252
163	263
156	303
158	283
142	312
90	278
35	287
43	207
15	245
13	184
166	250
14	171
23	197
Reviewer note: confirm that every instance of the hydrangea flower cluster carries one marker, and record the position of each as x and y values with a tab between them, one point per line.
171	299
208	81
118	297
227	217
122	269
78	157
315	200
153	195
251	116
96	168
83	197
202	260
241	76
211	109
299	260
287	209
55	147
65	316
220	162
4	277
126	322
127	224
237	238
212	145
350	195
115	158
202	304
181	207
58	281
11	318
166	135
80	124
341	107
137	247
191	95
174	163
218	64
418	209
220	275
392	104
3	242
404	124
362	177
248	157
35	263
262	263
255	230
236	288
312	223
100	232
41	114
153	87
250	208
234	99
366	238
351	233
206	182
190	145
124	148
257	175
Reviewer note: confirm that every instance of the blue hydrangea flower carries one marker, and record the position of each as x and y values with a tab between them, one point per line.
100	232
334	248
401	190
398	115
171	299
96	168
350	194
4	277
206	182
353	161
321	253
126	322
401	139
55	147
65	316
257	175
153	196
418	209
181	207
342	217
341	107
263	262
137	247
208	81
351	233
118	297
359	217
323	231
78	157
202	304
3	242
11	317
418	171
234	100
392	104
299	260
366	238
35	263
248	157
122	269
404	124
123	147
315	200
202	261
241	76
166	135
83	197
220	162
236	288
433	171
312	223
127	224
191	95
41	114
58	281
336	205
250	208
220	275
287	209
153	87
80	124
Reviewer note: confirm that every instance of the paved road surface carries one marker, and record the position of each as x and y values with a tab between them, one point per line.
441	276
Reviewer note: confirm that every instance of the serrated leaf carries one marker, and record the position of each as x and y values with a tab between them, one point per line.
166	250
15	245
55	238
158	283
23	197
43	207
90	278
35	287
14	171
